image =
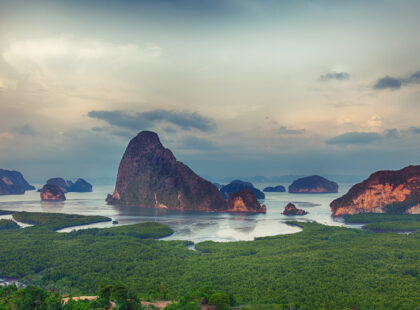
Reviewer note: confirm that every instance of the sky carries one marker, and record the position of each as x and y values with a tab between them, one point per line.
235	88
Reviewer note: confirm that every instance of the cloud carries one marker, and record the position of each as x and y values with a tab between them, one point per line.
340	76
393	83
283	130
392	133
388	82
375	121
349	138
415	130
27	130
145	120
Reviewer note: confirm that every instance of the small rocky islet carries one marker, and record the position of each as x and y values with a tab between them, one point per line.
290	209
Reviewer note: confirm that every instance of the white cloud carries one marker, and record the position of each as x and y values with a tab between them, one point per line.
65	58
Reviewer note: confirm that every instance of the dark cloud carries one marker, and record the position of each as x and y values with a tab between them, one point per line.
350	138
147	120
335	76
283	130
415	130
389	82
98	129
392	133
27	130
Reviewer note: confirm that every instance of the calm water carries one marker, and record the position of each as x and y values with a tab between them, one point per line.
194	226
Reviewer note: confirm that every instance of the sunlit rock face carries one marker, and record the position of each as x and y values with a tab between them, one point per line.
290	209
52	192
245	201
13	183
395	192
313	184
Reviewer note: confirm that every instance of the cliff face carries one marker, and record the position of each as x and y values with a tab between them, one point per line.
237	185
150	176
313	184
52	192
245	201
13	183
383	192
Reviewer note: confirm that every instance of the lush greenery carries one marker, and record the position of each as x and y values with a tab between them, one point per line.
31	297
8	224
5	212
57	221
319	267
386	222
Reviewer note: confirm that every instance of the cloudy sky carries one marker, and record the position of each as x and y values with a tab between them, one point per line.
234	87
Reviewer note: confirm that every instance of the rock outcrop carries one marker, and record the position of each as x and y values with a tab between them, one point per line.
395	192
52	192
80	186
63	184
274	189
290	209
313	184
245	201
237	185
13	183
150	176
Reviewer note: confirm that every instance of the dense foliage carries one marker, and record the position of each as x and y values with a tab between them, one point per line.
8	224
319	267
57	221
386	222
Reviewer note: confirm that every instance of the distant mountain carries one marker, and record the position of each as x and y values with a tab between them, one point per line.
150	176
313	184
13	183
275	189
383	192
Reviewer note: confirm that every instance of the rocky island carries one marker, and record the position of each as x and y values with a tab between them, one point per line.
13	183
290	209
80	186
395	192
150	176
237	185
274	189
52	192
245	201
313	184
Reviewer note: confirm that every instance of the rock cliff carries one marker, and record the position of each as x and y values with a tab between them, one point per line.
80	186
150	176
245	201
52	192
383	192
13	183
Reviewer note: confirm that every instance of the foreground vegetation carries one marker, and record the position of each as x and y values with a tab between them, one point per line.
320	267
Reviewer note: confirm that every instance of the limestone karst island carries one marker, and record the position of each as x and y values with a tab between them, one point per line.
209	155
